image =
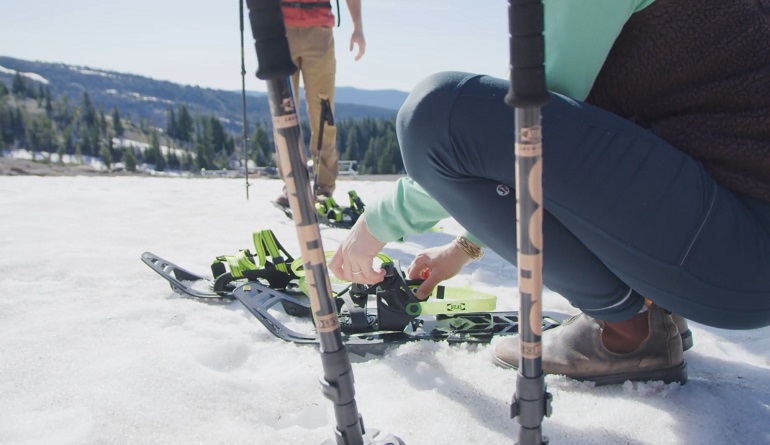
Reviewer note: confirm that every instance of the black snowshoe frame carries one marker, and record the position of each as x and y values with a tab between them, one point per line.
371	317
393	320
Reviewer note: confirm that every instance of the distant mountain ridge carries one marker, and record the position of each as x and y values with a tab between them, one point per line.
390	99
145	98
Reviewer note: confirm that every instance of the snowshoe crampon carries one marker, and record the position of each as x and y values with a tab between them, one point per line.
374	317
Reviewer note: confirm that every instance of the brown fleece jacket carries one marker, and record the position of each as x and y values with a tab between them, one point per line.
697	73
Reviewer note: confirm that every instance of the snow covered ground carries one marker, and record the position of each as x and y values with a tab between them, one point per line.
95	348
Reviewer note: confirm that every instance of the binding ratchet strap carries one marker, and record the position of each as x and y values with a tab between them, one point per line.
266	245
452	300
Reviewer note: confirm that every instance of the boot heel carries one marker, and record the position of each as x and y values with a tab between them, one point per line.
686	339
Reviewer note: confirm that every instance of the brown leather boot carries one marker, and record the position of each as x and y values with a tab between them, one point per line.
575	350
684	331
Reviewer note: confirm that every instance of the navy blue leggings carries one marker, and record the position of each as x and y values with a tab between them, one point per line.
627	215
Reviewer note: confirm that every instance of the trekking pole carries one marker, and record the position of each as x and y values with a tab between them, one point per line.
527	93
275	66
326	118
243	107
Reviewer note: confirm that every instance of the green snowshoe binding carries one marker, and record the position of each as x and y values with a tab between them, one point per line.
270	264
271	285
331	214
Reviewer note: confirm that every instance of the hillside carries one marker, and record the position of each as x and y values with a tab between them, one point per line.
142	97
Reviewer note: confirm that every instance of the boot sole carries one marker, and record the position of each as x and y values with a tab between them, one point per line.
676	374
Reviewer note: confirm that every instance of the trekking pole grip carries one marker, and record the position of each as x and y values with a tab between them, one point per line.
269	31
527	47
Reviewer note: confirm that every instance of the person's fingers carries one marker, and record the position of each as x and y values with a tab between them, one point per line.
419	266
361	46
335	264
368	275
426	287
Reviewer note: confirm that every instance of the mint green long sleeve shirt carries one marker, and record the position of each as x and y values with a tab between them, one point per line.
578	36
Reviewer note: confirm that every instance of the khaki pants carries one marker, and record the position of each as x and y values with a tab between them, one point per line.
312	50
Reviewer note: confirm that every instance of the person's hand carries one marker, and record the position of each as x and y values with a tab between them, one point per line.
353	260
435	265
357	38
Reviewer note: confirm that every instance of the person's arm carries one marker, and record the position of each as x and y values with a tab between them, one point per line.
357	38
578	36
399	211
403	210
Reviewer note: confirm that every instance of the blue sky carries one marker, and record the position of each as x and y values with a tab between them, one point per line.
197	42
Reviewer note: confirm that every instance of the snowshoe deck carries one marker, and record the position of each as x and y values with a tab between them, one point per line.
366	329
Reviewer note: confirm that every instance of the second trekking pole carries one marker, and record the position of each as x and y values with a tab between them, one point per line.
327	118
527	94
276	67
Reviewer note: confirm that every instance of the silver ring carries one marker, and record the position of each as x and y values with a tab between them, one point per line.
356	272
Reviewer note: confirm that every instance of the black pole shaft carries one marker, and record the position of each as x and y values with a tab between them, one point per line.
527	93
245	135
275	66
324	119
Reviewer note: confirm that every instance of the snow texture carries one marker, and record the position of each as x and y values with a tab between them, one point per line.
97	349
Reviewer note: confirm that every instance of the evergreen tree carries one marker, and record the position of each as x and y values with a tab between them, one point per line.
185	162
63	112
129	159
61	153
352	151
19	87
160	159
184	125
41	135
6	127
88	112
106	156
18	126
78	154
261	147
171	125
102	122
117	126
173	161
85	144
3	89
69	142
204	145
48	105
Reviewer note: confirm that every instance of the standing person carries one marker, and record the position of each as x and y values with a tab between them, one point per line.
309	25
656	181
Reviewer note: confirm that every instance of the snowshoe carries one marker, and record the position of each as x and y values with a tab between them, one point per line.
374	317
230	271
371	317
332	214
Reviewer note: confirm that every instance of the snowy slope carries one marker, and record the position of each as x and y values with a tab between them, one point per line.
95	348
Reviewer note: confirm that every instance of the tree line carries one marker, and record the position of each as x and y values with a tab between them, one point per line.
30	118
